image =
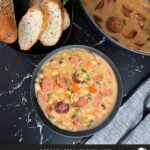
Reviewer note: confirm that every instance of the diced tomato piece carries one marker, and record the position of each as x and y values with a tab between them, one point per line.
46	86
62	81
97	101
82	102
106	92
42	98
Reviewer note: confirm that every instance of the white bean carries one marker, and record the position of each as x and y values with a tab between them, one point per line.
54	73
37	87
63	65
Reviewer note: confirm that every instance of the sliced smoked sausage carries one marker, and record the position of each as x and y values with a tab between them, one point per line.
46	86
42	98
61	107
114	24
82	102
62	81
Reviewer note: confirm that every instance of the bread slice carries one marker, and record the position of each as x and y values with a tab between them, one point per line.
53	22
8	28
30	28
66	22
35	2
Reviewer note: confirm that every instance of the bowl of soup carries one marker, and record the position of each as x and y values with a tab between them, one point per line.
76	90
126	23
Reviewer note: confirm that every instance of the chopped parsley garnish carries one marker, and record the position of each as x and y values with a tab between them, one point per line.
75	73
103	106
97	83
88	78
89	125
61	61
77	111
49	96
84	71
89	96
51	117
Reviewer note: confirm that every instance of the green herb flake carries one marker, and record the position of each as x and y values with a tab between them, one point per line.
77	111
109	81
61	61
103	106
91	121
97	83
49	95
84	71
89	125
94	70
51	117
75	73
124	22
88	78
147	27
89	96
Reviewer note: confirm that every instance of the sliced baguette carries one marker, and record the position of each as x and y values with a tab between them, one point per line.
66	22
35	2
8	28
53	22
30	28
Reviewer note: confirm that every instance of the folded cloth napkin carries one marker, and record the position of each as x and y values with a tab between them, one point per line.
128	116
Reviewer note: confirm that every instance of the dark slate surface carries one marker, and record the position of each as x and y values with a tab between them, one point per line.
19	123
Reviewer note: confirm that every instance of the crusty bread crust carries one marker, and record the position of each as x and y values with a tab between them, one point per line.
35	2
8	28
45	38
24	26
66	22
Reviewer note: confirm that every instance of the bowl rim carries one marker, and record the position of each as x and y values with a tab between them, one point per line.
108	37
88	132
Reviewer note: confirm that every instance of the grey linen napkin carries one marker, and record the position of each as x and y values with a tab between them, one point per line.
128	116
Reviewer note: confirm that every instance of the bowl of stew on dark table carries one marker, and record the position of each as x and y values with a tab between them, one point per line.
76	90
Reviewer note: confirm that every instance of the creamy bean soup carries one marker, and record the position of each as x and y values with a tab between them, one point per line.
76	89
126	21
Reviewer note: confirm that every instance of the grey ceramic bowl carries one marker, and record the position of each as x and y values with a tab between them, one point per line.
81	133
